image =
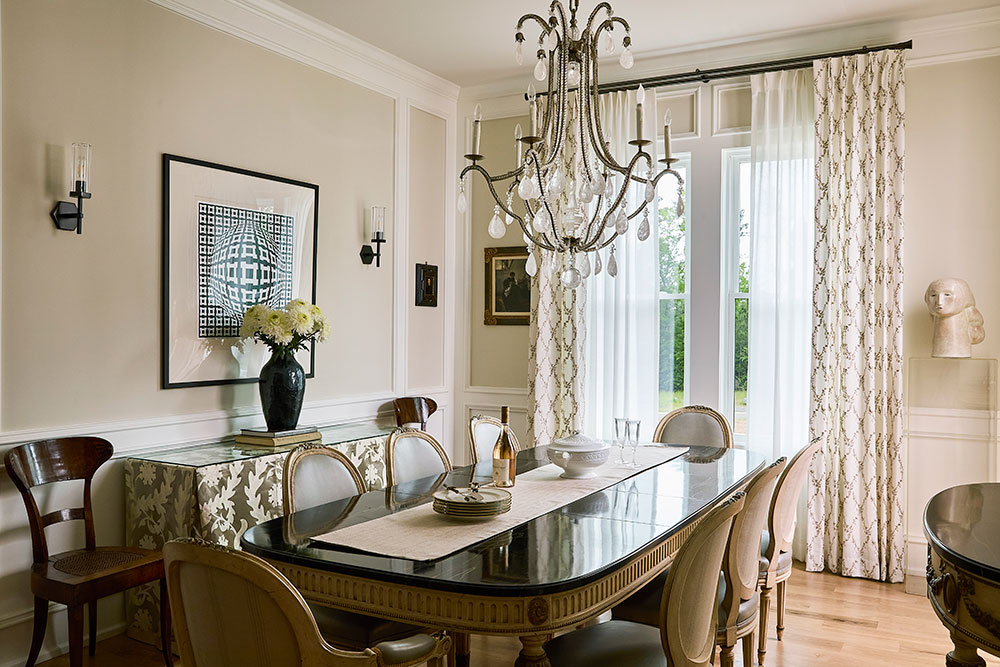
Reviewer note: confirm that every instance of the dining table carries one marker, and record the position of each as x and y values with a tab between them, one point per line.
552	572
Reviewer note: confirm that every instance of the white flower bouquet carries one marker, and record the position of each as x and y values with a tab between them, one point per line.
285	330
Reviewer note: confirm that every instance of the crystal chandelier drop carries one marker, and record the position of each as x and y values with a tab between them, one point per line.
575	193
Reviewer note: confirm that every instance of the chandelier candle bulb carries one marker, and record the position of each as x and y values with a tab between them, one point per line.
532	111
477	121
666	135
518	146
640	97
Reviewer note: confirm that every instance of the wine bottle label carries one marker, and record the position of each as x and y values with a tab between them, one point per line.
501	471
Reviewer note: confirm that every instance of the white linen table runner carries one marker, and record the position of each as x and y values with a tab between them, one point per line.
420	533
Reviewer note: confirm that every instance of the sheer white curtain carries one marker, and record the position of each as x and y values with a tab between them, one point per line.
622	313
782	199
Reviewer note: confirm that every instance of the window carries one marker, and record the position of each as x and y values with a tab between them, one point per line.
736	285
674	257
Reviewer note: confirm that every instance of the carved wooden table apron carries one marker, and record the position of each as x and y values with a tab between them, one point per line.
549	574
962	525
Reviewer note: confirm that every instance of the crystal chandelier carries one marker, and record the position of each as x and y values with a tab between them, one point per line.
575	193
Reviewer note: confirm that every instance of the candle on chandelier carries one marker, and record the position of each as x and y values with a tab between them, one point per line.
666	134
640	97
532	112
477	121
517	143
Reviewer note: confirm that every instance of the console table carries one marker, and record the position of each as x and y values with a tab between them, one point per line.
215	492
962	525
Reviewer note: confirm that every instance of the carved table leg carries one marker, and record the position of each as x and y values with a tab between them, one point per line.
964	655
460	649
532	654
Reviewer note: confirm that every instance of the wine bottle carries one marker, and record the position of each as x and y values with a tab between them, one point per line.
504	453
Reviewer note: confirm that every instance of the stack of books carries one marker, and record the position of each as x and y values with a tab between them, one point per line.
255	438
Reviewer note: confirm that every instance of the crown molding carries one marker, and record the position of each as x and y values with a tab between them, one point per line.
938	39
277	27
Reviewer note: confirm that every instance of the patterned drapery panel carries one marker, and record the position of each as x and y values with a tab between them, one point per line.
855	516
556	346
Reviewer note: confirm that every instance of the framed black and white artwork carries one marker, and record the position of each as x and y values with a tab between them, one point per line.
232	238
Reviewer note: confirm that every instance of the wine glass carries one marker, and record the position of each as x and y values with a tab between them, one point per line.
621	434
632	431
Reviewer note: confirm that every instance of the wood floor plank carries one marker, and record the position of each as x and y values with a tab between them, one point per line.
830	621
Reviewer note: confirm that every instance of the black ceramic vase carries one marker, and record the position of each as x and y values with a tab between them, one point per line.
282	387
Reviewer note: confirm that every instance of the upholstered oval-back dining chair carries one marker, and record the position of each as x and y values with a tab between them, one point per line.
413	411
483	434
81	577
694	425
776	542
686	612
315	474
738	600
413	454
232	609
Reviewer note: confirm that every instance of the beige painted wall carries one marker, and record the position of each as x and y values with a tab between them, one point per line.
426	352
498	355
952	172
81	314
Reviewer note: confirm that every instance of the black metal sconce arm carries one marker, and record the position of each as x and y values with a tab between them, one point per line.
69	216
368	254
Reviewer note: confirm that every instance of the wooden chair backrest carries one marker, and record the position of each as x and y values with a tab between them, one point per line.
694	425
689	609
315	474
59	460
232	609
741	565
479	427
411	454
781	518
414	410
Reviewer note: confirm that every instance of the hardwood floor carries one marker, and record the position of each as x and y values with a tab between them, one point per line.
830	621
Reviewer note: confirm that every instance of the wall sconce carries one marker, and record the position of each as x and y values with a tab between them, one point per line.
378	238
67	215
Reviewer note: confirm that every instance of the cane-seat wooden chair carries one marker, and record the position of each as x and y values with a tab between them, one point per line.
81	577
694	425
232	609
414	411
776	541
687	610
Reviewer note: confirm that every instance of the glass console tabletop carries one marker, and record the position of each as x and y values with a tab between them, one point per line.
565	549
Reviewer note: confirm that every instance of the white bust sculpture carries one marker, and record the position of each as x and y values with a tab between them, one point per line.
958	324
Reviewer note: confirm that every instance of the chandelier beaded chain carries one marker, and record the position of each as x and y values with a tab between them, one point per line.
574	192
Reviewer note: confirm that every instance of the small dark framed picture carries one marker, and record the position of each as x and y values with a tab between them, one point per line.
427	285
508	286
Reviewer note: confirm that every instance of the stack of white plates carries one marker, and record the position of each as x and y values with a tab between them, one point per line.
465	503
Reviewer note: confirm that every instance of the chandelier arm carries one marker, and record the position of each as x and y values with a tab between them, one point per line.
609	24
593	14
545	202
557	9
532	17
493	179
589	237
584	111
668	170
559	131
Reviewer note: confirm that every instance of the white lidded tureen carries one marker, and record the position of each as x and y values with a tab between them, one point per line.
578	455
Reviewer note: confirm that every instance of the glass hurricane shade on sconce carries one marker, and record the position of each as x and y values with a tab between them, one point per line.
378	238
67	215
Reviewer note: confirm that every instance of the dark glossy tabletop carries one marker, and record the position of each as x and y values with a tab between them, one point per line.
563	549
964	522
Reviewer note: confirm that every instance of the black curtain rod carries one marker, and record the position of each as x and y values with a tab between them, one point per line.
704	76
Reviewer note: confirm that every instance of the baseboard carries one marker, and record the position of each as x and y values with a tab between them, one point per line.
915	583
60	648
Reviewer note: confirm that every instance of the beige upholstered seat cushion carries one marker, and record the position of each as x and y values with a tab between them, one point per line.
784	558
643	606
608	644
347	629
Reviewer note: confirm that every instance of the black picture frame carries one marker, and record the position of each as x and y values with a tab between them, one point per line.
205	360
427	285
507	306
